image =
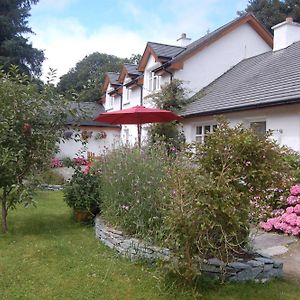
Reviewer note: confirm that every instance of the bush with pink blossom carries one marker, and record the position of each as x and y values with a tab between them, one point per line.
56	163
80	161
287	220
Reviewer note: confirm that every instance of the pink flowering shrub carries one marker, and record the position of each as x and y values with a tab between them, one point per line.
56	163
295	190
80	161
288	219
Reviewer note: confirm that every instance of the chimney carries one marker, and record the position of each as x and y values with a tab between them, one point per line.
183	41
285	34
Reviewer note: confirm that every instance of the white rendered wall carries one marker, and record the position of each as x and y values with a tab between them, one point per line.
71	148
214	60
286	34
284	121
150	66
117	99
129	132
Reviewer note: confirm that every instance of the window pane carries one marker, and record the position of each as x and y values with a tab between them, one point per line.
199	139
199	130
259	127
207	129
154	82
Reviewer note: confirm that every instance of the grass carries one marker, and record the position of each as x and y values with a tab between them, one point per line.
46	255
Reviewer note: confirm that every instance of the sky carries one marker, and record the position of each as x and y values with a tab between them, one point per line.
68	30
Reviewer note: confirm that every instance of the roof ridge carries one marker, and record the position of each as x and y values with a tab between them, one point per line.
166	45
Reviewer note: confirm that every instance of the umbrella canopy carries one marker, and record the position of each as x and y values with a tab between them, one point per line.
138	115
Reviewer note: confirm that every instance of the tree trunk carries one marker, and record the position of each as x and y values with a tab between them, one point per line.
4	212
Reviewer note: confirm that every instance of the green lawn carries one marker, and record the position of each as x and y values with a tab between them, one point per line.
46	255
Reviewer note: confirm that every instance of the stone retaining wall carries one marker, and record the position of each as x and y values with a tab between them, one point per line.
130	247
259	268
51	187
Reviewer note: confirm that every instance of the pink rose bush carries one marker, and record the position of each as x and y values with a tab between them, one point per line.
286	220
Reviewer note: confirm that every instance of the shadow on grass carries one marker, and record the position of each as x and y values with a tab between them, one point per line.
46	224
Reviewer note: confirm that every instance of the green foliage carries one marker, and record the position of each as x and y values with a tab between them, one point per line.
50	241
87	78
51	177
173	97
273	12
208	212
31	124
293	160
133	190
84	191
15	49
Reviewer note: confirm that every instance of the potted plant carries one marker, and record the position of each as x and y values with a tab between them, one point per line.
83	194
100	135
85	135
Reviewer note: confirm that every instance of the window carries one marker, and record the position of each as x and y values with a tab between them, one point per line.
128	95
126	135
154	82
110	102
203	130
259	127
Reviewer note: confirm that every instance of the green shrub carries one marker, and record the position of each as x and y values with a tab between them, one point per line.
208	211
133	190
83	191
51	177
293	159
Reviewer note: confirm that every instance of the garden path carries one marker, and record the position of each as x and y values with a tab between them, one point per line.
283	247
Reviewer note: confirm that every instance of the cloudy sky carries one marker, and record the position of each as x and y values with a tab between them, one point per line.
70	29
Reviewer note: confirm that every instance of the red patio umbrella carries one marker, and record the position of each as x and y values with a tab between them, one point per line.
138	115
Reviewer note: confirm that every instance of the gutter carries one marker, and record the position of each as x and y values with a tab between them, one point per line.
164	67
242	108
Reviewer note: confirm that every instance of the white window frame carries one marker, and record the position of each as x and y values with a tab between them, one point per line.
154	82
251	123
202	130
110	102
126	135
127	96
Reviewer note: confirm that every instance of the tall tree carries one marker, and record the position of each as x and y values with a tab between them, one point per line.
87	77
272	12
14	47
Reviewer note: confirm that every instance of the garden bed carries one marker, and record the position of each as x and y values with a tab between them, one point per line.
252	267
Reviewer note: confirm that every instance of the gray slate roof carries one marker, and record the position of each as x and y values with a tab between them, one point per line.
113	76
165	51
269	79
132	69
89	111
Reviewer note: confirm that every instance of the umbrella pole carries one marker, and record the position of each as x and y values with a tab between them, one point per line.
139	128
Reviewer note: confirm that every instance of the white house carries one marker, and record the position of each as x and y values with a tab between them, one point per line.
262	92
233	71
86	137
197	64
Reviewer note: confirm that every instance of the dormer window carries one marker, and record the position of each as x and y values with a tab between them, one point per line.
154	82
127	96
110	102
